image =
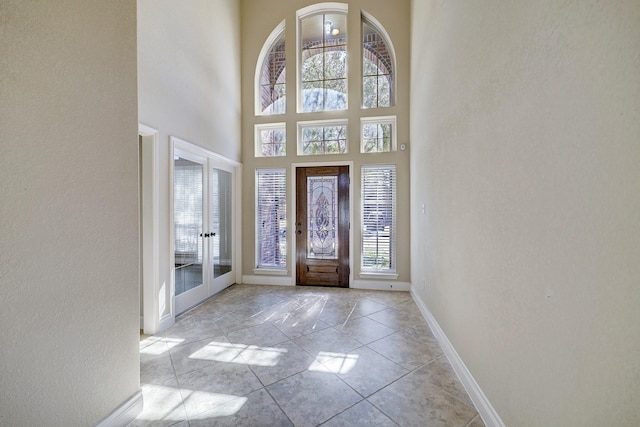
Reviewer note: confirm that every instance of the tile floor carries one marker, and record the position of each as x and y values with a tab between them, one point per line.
301	356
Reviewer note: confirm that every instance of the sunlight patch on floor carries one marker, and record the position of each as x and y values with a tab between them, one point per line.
239	353
337	363
155	346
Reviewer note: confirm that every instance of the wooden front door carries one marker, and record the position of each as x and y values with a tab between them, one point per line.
322	226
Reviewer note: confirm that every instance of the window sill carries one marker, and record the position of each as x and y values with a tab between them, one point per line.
378	275
270	271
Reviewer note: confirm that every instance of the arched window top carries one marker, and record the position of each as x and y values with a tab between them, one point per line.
327	7
378	65
270	79
322	57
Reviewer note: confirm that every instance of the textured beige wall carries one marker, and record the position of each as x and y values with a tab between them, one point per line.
68	211
189	86
259	19
526	151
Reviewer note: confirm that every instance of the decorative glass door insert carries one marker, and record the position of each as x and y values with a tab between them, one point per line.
322	217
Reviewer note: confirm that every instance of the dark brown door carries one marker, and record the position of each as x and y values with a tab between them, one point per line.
322	226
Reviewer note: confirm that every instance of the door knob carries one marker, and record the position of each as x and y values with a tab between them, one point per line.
299	232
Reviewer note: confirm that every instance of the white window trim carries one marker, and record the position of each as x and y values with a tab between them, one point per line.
370	274
257	129
305	12
266	48
374	272
392	120
321	123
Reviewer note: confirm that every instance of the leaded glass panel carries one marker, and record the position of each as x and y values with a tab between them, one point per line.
322	217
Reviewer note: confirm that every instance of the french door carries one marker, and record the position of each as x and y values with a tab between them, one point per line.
322	226
203	227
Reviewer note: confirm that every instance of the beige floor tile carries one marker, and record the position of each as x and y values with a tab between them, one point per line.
361	414
329	395
390	298
295	326
328	340
264	334
439	372
364	370
365	330
256	409
201	354
411	401
366	306
274	364
208	388
397	319
405	350
476	422
192	328
155	368
162	405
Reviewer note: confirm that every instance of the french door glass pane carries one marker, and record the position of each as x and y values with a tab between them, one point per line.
221	218
187	206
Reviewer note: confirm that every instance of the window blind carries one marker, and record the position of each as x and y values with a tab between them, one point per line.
187	206
378	217
271	215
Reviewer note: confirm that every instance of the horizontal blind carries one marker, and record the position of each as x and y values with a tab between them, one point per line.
271	215
187	211
378	217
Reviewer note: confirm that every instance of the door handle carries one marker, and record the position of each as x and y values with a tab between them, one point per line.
299	232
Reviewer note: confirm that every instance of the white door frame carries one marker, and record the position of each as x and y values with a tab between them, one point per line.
149	206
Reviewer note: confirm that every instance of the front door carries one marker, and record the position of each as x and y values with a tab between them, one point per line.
322	226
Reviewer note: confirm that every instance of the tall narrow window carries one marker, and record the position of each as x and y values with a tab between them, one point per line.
323	62
271	75
377	66
271	216
378	218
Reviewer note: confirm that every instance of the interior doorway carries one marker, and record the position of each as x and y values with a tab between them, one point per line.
203	225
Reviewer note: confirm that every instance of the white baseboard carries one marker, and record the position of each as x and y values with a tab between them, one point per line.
267	280
381	285
125	413
482	404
